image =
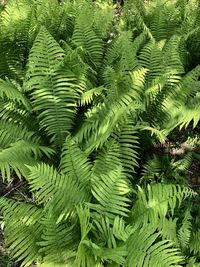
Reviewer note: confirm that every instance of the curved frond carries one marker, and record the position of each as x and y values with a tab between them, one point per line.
19	147
22	221
158	201
110	188
9	92
54	88
58	192
145	249
85	37
74	163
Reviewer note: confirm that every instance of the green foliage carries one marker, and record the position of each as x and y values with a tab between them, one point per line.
85	95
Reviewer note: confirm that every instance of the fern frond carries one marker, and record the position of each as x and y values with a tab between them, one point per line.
189	113
151	170
120	230
122	53
115	255
129	145
145	249
17	156
74	163
85	36
22	221
58	192
18	148
151	58
84	256
88	96
184	232
110	189
54	88
168	230
58	241
10	93
105	118
194	242
103	18
182	103
158	201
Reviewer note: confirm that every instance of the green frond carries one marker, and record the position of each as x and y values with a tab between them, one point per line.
13	16
151	170
59	193
184	232
58	241
110	192
18	27
22	221
129	145
88	96
105	118
151	58
74	163
189	113
110	189
184	163
180	103
107	159
16	157
122	53
58	19
168	230
116	255
19	147
103	18
9	92
12	132
84	256
54	88
140	23
194	242
158	201
120	230
85	37
145	249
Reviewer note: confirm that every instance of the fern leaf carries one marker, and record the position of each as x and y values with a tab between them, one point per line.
194	242
18	148
58	241
11	93
74	163
184	232
54	89
128	142
160	200
50	189
144	249
23	229
85	37
110	188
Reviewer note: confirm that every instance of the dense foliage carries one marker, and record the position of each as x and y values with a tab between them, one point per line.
88	92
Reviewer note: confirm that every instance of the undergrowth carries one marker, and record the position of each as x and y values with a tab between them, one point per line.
99	133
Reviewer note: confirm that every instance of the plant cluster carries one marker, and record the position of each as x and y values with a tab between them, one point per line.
86	94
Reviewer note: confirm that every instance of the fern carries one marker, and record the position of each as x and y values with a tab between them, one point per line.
85	98
85	36
145	239
194	243
159	200
110	188
23	222
54	90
